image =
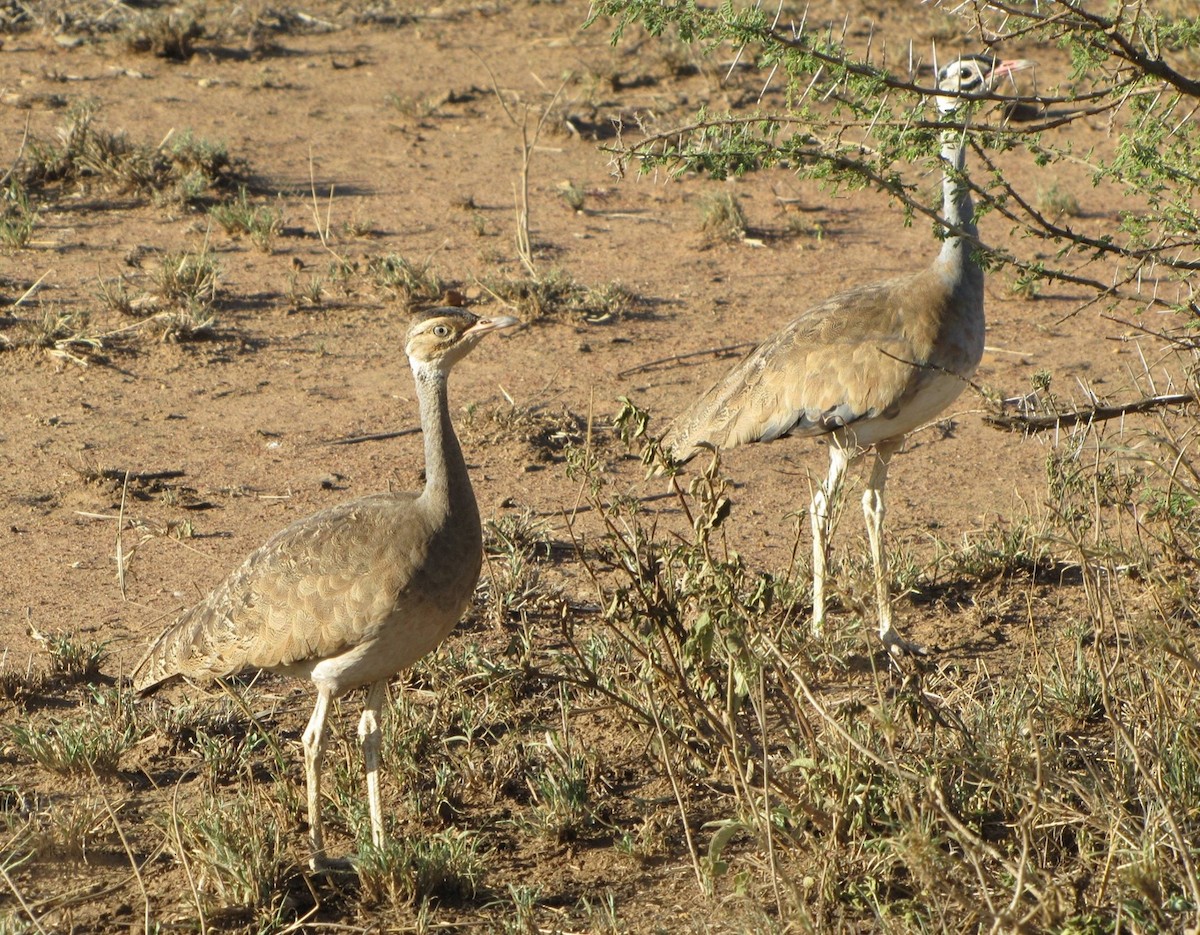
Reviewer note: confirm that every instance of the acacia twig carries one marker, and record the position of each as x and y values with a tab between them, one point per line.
1030	424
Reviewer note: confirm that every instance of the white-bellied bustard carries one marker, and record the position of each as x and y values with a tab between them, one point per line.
865	367
357	592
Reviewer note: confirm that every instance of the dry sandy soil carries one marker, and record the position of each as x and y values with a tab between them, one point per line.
397	126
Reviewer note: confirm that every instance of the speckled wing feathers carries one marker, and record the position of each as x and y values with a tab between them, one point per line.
314	590
858	356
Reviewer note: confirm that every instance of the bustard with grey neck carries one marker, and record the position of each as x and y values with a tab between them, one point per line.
357	592
867	366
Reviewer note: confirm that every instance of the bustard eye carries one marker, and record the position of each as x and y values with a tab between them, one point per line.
442	331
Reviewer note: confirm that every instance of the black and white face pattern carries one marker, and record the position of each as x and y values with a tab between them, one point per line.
969	74
973	74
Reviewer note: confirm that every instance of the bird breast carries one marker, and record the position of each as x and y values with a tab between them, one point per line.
409	577
347	596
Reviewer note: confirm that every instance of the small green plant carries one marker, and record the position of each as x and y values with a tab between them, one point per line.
17	215
237	847
1073	685
573	195
73	826
18	683
55	827
512	545
557	294
520	915
358	227
445	866
415	283
195	166
86	152
261	223
72	658
1000	550
115	296
721	217
92	741
60	329
188	281
183	171
412	107
185	324
562	804
224	756
306	291
167	34
1056	202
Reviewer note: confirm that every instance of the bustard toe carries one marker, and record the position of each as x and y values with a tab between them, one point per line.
899	646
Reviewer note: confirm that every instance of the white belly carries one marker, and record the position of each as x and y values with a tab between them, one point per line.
930	400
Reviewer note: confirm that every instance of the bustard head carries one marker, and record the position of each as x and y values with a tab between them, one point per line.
439	338
969	75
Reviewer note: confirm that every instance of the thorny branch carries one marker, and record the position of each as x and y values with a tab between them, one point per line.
1029	424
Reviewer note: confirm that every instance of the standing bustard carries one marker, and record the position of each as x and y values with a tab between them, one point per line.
354	593
866	366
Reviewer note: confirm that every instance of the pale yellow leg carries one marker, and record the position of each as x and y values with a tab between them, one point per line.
314	753
821	515
370	736
873	511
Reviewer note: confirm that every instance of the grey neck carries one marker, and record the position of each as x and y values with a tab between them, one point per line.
957	207
447	484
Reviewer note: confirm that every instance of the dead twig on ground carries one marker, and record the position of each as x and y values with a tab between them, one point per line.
1029	424
677	358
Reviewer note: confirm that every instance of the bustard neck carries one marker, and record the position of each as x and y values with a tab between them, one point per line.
447	484
957	207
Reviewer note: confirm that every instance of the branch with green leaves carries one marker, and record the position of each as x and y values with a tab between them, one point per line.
848	118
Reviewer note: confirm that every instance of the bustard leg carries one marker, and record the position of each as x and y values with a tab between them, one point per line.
314	753
370	736
821	516
874	510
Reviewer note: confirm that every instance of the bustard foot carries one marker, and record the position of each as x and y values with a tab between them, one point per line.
898	646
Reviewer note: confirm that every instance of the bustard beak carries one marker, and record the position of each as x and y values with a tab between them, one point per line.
1004	69
492	323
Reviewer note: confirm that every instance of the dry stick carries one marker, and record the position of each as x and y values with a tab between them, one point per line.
521	196
587	455
524	245
683	818
772	859
187	867
322	232
88	893
20	152
120	527
32	289
1031	424
137	871
21	899
1167	338
676	358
